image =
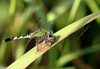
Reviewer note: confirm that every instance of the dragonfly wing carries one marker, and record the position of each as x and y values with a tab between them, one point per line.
28	41
48	23
35	27
38	29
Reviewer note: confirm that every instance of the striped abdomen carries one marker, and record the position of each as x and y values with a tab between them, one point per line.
14	38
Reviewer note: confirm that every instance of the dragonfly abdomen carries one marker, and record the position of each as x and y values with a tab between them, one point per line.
14	38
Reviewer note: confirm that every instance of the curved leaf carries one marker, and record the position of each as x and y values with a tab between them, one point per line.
31	55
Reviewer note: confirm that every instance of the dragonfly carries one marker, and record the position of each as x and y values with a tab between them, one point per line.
39	33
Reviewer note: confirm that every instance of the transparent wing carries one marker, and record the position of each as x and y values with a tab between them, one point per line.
39	29
47	23
28	41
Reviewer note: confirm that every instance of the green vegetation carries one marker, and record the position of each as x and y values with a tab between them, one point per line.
76	51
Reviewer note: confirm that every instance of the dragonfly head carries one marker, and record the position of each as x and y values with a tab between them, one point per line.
50	33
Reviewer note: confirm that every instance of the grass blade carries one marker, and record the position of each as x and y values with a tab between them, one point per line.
31	55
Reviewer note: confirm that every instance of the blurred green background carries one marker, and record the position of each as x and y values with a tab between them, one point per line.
17	17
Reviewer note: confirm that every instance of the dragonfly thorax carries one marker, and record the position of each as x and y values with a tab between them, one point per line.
38	33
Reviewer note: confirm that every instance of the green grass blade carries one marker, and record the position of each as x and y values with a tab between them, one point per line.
31	55
94	7
73	11
67	58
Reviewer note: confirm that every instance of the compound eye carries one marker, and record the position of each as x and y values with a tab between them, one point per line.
50	32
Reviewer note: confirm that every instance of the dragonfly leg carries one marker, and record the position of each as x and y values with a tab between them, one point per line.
36	40
39	41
